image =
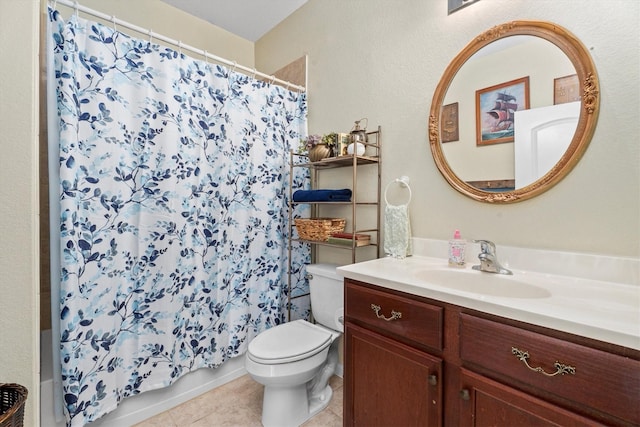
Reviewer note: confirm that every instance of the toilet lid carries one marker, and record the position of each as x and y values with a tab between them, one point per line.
289	342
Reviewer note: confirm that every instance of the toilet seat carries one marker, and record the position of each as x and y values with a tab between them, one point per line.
289	342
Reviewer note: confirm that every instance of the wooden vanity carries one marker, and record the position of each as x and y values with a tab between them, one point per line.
411	360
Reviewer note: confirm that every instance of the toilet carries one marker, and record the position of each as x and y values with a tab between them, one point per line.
295	360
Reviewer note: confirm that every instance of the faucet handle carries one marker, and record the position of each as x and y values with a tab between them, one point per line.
486	246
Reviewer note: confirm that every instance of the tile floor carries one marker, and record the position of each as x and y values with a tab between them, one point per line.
238	404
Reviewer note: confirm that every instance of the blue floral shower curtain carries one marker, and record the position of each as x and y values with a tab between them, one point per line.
173	213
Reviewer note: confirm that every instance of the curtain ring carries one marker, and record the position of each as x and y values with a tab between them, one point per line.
254	73
55	4
75	7
235	64
206	58
180	46
150	36
113	19
273	79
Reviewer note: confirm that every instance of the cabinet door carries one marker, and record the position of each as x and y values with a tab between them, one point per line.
488	403
388	383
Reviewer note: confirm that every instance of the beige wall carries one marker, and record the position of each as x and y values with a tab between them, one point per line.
19	340
383	59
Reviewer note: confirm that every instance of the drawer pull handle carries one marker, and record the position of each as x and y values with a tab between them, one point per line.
561	368
394	314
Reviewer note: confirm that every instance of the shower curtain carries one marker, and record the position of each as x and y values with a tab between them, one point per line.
173	193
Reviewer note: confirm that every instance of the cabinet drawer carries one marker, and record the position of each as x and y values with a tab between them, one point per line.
604	381
404	318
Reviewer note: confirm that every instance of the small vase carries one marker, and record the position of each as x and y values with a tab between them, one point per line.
319	152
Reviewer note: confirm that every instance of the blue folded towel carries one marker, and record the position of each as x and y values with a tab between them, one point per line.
343	195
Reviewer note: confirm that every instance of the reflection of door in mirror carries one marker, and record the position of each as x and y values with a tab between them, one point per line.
541	138
504	60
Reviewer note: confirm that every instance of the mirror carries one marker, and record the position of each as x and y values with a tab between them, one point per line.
531	73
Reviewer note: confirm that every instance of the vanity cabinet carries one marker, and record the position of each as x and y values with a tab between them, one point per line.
410	360
392	380
575	374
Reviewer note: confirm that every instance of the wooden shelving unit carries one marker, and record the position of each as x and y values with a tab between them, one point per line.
372	158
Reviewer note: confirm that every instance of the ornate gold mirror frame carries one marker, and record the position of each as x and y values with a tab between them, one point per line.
587	76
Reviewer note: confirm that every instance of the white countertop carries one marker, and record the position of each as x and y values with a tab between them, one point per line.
602	310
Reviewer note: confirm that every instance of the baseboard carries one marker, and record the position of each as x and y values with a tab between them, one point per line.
138	408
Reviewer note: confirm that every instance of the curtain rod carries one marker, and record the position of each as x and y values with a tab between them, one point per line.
116	21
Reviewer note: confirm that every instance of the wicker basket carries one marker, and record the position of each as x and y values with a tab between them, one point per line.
319	229
12	400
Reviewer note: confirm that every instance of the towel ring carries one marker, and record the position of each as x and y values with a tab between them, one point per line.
403	181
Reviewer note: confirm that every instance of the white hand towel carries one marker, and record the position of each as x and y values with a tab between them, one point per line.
397	231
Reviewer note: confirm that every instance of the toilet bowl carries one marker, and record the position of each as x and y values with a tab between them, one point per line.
295	360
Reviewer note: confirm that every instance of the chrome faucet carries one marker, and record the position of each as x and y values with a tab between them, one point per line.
488	259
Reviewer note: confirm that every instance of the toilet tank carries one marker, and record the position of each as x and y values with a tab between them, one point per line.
327	295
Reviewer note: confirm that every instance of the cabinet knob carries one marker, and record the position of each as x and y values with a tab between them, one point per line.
433	380
464	394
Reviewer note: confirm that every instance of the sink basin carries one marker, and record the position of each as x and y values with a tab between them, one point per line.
498	285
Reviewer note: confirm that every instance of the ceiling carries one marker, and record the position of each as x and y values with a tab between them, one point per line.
249	19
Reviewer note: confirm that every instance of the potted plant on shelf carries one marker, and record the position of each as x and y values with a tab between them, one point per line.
318	147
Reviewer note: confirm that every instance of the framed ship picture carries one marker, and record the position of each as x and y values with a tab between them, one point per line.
495	110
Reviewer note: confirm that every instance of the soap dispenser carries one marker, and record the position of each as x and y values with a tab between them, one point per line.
457	247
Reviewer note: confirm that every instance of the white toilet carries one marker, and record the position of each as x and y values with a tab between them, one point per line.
295	360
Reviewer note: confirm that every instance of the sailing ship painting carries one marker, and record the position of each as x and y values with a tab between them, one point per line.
495	110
